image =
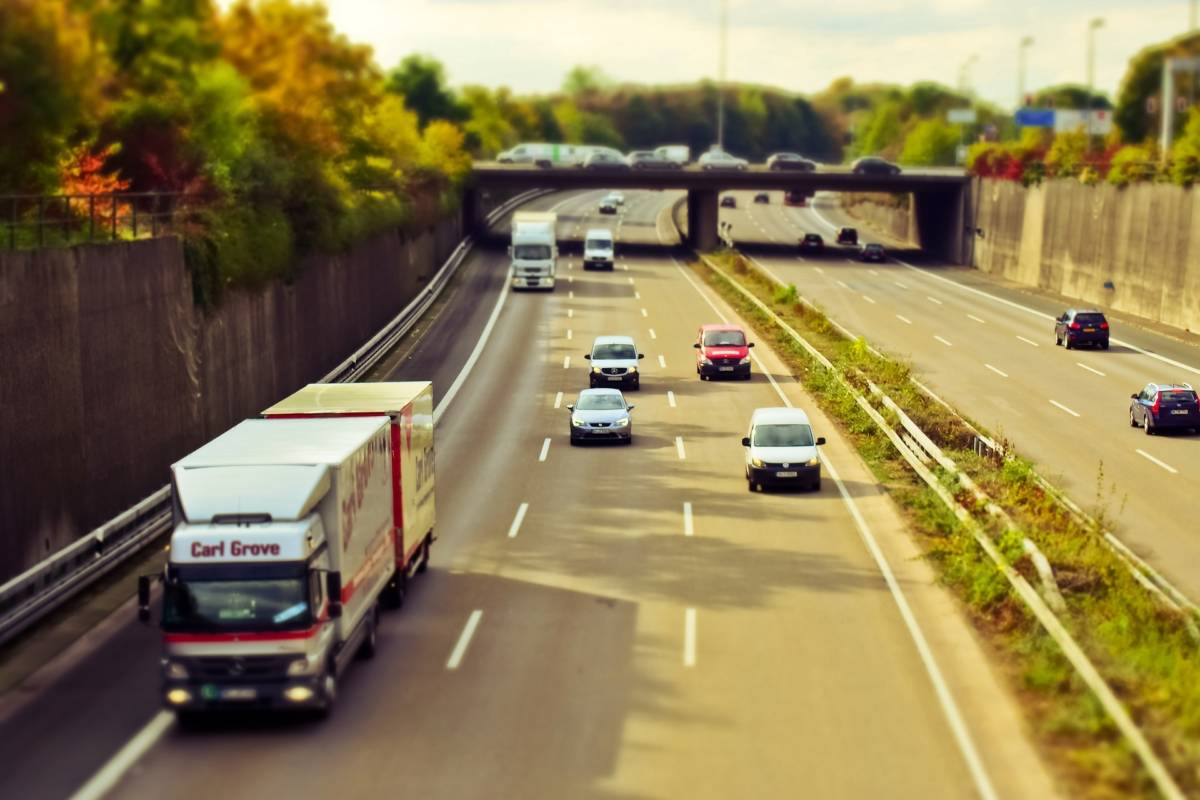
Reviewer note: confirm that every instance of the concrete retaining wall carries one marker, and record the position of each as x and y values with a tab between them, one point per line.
1072	239
110	373
881	213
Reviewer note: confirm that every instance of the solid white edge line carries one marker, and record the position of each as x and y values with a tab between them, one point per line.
484	336
545	449
679	448
464	639
1162	464
515	527
106	779
689	637
558	400
999	372
688	526
1064	408
954	718
671	399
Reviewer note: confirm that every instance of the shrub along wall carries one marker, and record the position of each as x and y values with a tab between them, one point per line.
110	372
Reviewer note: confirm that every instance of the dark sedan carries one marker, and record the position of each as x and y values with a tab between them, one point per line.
1076	327
790	161
872	165
812	243
873	252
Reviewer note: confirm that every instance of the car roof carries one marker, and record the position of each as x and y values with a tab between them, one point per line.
582	392
811	235
612	340
779	416
1173	386
1085	311
720	326
601	232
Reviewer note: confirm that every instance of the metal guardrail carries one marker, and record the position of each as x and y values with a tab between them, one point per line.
27	598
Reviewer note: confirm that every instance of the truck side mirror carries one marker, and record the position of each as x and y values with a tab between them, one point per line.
570	406
333	588
629	408
587	356
1134	396
820	441
750	345
641	356
143	598
745	441
696	345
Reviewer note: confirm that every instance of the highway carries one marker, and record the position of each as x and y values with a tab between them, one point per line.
988	350
606	622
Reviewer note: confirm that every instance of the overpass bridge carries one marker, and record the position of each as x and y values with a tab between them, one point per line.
940	196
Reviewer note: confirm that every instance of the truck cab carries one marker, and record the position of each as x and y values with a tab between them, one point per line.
598	249
534	250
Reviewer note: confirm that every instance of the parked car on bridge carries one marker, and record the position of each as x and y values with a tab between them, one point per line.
605	160
790	161
1161	406
728	201
812	243
679	154
762	198
873	251
719	159
601	415
1076	327
873	165
650	159
848	237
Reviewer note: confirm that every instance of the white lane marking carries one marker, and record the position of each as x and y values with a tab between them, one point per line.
999	372
517	520
570	265
1044	316
872	272
637	295
679	448
571	295
1028	341
570	334
107	778
570	279
1064	408
977	319
689	637
901	285
671	399
1090	369
631	281
545	449
558	400
688	529
868	299
904	319
570	313
460	649
944	341
818	270
625	267
842	284
949	707
645	313
1162	464
653	335
662	362
933	300
566	362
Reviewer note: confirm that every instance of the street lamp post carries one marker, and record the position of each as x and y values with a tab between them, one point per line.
1026	43
1093	26
964	78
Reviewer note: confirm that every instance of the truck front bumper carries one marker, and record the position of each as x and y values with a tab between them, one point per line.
298	693
532	282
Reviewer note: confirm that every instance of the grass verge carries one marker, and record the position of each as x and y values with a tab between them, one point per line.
1143	650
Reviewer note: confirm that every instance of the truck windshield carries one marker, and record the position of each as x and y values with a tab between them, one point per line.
724	338
782	436
599	244
611	352
198	602
532	252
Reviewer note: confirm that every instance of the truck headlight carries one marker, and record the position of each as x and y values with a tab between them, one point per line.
595	370
175	670
812	462
756	462
303	666
632	370
744	361
706	362
621	423
576	422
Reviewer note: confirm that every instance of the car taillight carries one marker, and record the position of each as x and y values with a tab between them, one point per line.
1157	400
1075	326
1103	326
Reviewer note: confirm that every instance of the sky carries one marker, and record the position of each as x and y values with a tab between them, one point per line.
797	45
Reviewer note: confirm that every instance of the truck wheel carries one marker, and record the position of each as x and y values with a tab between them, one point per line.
424	565
366	650
328	693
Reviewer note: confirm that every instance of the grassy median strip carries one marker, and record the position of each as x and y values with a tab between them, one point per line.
1143	650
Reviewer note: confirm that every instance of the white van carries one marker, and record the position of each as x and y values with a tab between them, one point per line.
781	450
598	249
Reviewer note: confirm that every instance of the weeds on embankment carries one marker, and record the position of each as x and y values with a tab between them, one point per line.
1144	650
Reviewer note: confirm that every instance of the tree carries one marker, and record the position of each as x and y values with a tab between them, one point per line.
1143	82
932	142
1185	155
582	81
883	131
1068	154
421	80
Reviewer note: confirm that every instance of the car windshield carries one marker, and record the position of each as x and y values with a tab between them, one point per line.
1177	396
812	237
874	247
782	435
600	402
724	338
260	604
532	252
599	244
611	352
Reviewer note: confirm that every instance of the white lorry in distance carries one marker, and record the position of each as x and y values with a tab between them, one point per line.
598	249
283	546
680	154
534	249
544	154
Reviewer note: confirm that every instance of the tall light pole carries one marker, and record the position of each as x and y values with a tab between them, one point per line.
724	31
1192	16
1026	43
1093	26
964	80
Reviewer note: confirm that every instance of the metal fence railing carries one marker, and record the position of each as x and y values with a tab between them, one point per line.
32	220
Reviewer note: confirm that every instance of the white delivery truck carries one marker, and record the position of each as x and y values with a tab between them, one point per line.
681	154
534	249
545	154
284	544
598	249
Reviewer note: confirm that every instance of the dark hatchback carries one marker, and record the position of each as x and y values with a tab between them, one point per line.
873	252
1163	406
812	243
1076	327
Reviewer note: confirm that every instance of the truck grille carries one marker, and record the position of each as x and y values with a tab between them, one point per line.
248	668
613	370
725	362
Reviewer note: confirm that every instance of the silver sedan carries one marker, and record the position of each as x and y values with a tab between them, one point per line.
601	415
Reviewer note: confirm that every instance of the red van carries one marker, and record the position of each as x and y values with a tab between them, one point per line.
722	351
